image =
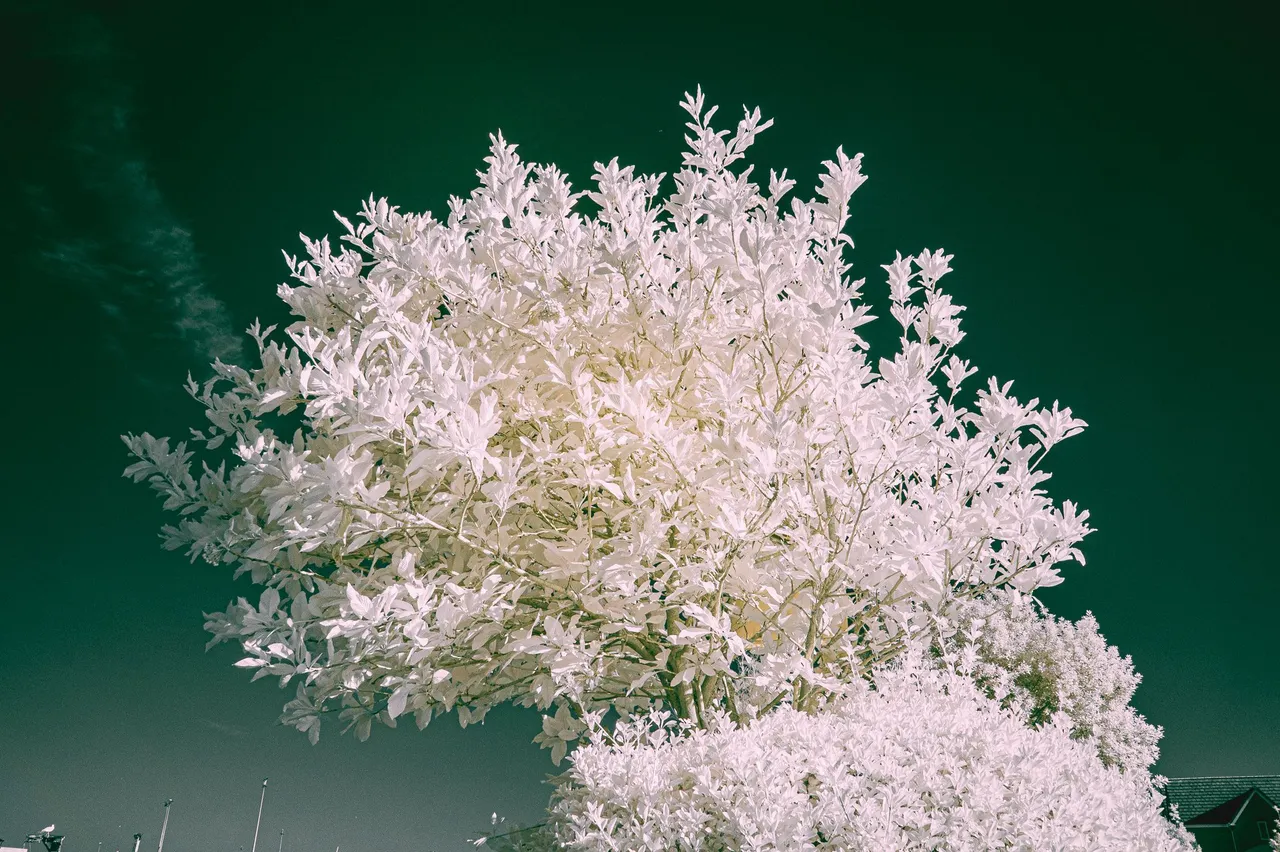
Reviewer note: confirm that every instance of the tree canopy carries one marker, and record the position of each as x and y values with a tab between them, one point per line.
586	462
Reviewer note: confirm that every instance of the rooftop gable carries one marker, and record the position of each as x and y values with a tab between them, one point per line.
1225	813
1195	797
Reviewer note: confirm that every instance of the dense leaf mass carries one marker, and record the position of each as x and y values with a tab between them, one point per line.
579	463
1038	665
922	762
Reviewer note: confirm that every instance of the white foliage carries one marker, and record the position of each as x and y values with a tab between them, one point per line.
1038	665
922	762
523	455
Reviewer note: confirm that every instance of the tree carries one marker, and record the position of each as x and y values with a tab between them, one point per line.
614	462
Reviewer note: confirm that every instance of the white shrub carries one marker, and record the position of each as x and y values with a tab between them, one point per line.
1038	664
922	762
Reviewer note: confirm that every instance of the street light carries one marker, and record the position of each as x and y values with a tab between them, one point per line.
258	824
164	825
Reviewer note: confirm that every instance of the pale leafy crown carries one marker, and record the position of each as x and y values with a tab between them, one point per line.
586	462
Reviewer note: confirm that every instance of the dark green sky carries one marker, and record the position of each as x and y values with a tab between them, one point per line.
1105	178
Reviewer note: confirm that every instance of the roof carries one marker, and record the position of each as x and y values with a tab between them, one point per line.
1196	797
1228	812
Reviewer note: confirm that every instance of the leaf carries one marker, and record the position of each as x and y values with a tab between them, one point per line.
360	605
396	703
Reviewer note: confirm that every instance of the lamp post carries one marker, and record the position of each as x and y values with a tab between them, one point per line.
258	824
164	825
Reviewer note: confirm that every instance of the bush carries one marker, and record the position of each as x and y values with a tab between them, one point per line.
921	761
1037	664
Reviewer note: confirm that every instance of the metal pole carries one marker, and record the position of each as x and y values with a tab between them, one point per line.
281	848
258	824
137	841
165	824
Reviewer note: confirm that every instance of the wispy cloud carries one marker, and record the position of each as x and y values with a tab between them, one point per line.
223	728
115	236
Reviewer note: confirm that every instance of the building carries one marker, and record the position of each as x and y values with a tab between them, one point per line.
1235	813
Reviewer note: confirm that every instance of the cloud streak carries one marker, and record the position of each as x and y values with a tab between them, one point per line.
223	728
116	236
